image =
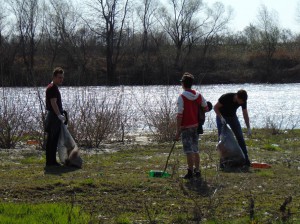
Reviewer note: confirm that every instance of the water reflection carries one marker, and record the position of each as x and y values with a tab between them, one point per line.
277	103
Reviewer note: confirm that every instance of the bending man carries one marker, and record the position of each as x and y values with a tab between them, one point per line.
225	109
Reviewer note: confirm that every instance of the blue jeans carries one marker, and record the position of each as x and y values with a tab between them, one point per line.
236	128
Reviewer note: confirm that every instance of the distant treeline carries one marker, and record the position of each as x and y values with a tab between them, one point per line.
142	43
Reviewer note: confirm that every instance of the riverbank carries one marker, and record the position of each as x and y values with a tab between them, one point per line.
115	187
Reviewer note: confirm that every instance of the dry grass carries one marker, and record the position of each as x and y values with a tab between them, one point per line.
115	187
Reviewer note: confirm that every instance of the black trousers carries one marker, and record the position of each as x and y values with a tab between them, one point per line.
52	127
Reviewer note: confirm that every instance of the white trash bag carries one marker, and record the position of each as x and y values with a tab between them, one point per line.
231	154
67	148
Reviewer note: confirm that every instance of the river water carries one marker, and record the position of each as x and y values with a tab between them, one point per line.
268	104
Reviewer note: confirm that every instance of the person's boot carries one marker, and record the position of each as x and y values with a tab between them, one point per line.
197	173
247	162
189	174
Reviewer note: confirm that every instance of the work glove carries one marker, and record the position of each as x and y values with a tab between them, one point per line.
61	118
249	133
223	121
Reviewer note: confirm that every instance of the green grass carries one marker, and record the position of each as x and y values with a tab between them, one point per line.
41	213
116	187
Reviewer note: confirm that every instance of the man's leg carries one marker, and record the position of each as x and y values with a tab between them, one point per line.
54	146
197	161
196	156
52	140
190	145
48	149
190	160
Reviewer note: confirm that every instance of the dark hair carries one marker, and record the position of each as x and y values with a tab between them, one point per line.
187	80
57	70
242	94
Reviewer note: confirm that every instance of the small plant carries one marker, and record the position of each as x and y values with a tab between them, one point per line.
94	120
278	123
89	182
123	219
272	147
160	118
14	120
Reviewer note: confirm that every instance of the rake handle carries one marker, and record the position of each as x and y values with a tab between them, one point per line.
169	156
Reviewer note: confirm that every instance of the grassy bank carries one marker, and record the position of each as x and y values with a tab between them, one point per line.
115	187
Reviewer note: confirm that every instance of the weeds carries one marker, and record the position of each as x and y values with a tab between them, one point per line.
14	119
95	119
160	116
278	123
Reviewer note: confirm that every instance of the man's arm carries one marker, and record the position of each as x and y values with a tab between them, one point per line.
247	121
218	112
217	109
246	118
54	105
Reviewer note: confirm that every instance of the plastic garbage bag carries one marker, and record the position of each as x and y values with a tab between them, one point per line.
67	149
230	152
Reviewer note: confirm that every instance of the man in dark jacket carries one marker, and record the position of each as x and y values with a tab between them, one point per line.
54	116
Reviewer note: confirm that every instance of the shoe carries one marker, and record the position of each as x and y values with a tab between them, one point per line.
189	175
200	130
222	166
247	163
53	164
197	173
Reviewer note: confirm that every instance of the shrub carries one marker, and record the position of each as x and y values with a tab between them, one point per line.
96	119
160	118
14	119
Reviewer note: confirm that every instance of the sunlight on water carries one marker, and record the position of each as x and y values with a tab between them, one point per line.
278	103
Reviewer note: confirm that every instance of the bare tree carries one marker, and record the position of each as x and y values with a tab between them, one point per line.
2	39
146	13
269	33
8	46
66	29
252	34
180	22
217	18
27	14
110	26
52	39
269	30
186	25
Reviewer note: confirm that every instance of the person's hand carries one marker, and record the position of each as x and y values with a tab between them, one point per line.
61	118
177	136
223	121
249	133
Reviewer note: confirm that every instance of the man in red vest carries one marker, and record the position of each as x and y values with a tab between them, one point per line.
188	105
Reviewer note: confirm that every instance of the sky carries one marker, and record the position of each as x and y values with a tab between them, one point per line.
245	12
